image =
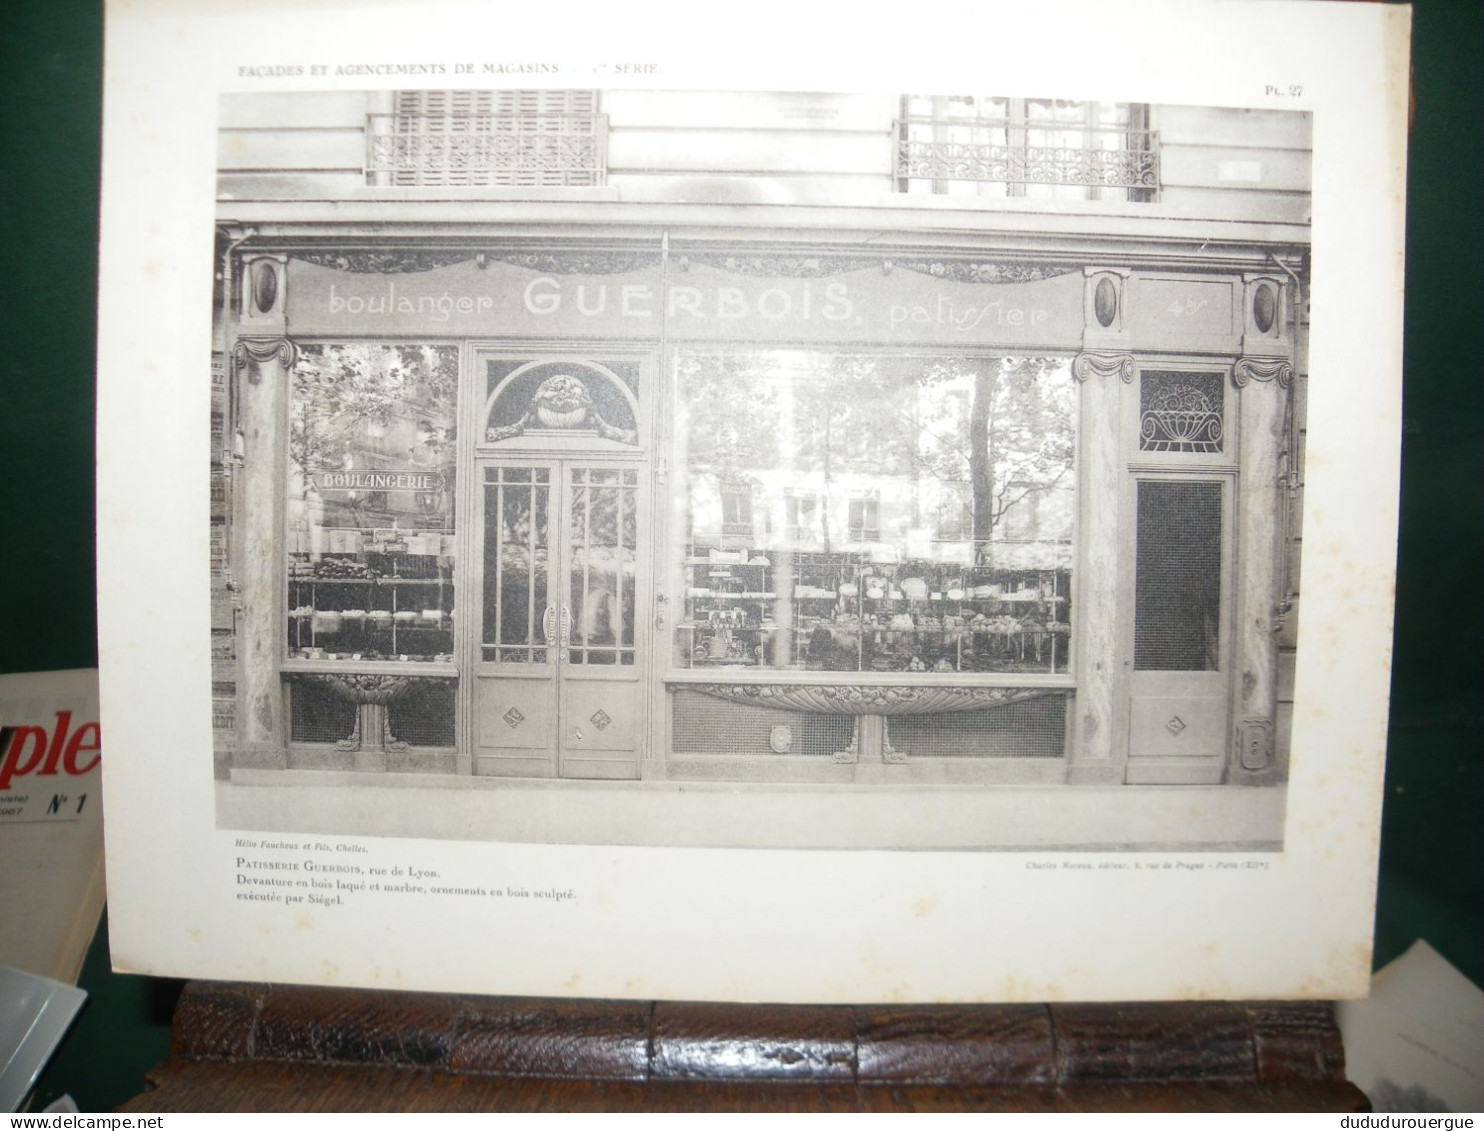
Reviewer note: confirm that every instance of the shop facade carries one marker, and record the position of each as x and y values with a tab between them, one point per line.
634	482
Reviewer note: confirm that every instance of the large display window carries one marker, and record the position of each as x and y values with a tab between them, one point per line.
852	512
369	518
370	515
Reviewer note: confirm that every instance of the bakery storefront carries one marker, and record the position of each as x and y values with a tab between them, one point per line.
683	509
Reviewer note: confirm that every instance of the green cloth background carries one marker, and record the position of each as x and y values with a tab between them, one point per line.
1432	862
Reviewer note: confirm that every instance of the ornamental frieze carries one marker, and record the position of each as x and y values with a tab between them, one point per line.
364	687
383	262
978	271
780	266
853	699
410	262
578	262
824	266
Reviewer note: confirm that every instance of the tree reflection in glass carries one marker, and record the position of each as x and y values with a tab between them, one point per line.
369	516
835	501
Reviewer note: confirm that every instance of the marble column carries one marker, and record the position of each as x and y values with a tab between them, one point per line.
1262	390
261	369
1096	755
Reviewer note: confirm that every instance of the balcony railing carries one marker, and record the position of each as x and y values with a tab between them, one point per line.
939	151
477	150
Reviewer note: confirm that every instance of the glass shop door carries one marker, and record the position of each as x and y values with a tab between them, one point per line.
557	680
1180	685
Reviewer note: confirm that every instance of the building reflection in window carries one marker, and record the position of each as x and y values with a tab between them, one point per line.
852	512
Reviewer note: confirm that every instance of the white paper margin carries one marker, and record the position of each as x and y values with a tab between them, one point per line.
754	925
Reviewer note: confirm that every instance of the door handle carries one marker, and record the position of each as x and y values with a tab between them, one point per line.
548	623
566	627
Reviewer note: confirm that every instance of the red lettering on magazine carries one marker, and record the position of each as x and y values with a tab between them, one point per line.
28	750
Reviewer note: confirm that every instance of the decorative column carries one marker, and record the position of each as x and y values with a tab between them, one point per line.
1096	755
1262	377
1262	386
261	359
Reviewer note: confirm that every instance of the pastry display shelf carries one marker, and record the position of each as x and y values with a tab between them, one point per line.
308	579
801	610
721	595
898	651
363	634
325	617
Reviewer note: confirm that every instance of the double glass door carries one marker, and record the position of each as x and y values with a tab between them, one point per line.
557	676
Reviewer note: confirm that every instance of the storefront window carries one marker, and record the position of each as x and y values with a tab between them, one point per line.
370	514
849	512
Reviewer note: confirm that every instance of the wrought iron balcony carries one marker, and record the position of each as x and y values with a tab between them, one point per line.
479	150
938	151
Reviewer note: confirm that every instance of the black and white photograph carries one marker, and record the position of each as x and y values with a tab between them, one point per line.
876	451
907	521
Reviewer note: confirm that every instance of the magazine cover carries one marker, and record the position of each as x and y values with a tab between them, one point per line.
51	820
827	514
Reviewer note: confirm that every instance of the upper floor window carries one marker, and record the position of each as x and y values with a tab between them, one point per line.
980	145
864	523
736	510
508	138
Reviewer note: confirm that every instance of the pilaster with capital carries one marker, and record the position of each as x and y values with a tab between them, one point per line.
1262	390
1104	379
262	357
